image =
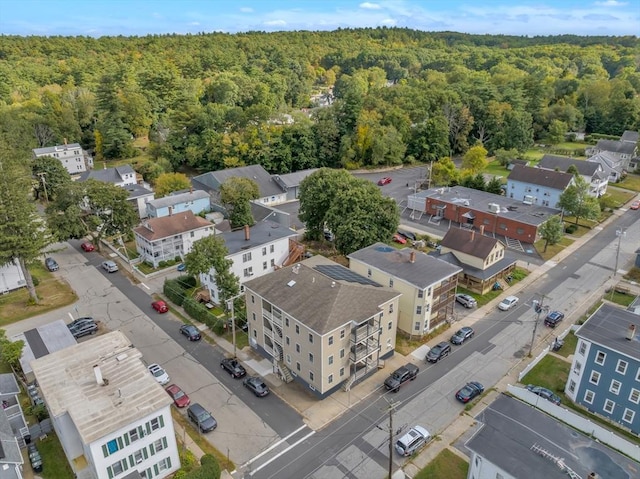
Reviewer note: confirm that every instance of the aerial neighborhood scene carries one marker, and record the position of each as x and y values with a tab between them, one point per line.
304	240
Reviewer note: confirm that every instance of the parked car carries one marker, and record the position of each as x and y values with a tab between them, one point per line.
88	247
34	457
400	376
461	335
545	393
438	352
412	441
384	181
256	385
553	318
635	205
160	306
507	303
233	367
398	238
158	373
180	398
83	329
51	264
109	266
408	235
191	332
466	300
182	267
469	391
81	321
201	418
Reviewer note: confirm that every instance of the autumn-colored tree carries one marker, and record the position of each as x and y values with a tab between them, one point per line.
167	183
475	159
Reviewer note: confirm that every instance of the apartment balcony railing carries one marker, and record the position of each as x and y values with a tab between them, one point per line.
364	332
362	351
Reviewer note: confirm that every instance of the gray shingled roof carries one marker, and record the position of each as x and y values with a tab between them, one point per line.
616	146
608	327
510	428
630	136
11	454
108	175
53	149
136	191
538	176
551	162
422	273
175	199
469	242
320	302
213	179
291	180
483	274
261	233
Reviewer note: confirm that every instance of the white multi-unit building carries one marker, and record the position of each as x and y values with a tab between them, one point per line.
72	156
110	414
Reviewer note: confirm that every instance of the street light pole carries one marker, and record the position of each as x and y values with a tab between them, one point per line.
233	319
620	232
539	309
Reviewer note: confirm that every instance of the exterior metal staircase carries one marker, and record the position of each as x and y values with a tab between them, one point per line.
285	373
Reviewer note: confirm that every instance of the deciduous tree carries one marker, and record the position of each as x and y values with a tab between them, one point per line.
475	159
167	183
576	200
49	174
235	195
551	231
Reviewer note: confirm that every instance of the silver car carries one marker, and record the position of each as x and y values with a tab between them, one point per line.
110	266
412	441
466	300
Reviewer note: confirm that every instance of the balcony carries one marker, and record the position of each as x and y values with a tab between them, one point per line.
363	350
365	331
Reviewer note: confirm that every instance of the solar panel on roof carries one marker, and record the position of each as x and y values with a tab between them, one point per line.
341	273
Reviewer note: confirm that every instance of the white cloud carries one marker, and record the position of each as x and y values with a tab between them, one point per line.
275	23
194	23
370	6
610	3
246	9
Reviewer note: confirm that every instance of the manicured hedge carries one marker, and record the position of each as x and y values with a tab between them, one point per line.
174	291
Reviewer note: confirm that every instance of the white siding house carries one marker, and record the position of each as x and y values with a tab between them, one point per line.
72	156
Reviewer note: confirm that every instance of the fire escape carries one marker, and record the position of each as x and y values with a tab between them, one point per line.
273	340
364	350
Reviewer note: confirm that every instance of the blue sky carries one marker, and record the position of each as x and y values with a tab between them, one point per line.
141	17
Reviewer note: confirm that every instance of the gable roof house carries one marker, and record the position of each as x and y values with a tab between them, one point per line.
14	431
321	324
593	173
139	196
630	137
616	156
170	237
483	259
613	166
605	371
120	175
428	285
270	192
10	455
72	156
536	186
255	251
196	201
110	415
290	182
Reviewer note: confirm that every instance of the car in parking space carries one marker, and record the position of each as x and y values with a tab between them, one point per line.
553	318
51	264
109	266
398	238
438	352
201	418
384	181
34	457
83	329
180	398
466	300
158	373
160	306
233	367
84	320
182	267
545	393
87	247
635	205
469	391
507	303
414	440
191	332
256	385
461	335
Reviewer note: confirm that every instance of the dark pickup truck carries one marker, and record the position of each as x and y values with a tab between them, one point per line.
408	372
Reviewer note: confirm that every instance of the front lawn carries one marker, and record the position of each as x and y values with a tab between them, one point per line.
496	169
552	249
445	465
631	182
54	462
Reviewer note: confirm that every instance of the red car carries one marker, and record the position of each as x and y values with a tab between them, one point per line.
160	306
88	247
180	398
398	238
384	181
635	205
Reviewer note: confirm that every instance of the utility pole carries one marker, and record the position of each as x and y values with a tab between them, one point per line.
230	305
620	232
539	309
391	411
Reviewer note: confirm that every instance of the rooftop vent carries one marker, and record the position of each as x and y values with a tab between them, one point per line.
291	283
631	332
494	207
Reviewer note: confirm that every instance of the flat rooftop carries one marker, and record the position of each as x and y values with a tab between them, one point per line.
608	327
510	429
69	385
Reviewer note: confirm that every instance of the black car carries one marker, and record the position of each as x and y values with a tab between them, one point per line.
83	329
34	458
401	376
439	351
462	335
201	418
469	391
233	367
191	332
256	385
544	393
84	320
553	318
407	234
51	264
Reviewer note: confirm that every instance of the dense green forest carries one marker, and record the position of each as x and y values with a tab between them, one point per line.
392	96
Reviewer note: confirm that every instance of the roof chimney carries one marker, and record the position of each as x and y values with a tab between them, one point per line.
631	332
481	229
412	256
473	234
170	210
65	141
99	379
247	236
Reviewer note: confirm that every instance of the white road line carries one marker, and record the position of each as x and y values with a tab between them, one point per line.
71	316
280	454
274	445
142	284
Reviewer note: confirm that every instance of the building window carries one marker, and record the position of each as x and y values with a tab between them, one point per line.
342	353
418	309
634	396
286	321
298	366
297	329
311	338
134	435
330	340
310	357
389	343
577	367
253	299
112	446
572	385
273	262
246	257
264	265
159	445
248	271
391	282
615	387
264	251
330	379
600	357
595	377
628	415
341	372
342	337
271	248
391	308
138	456
311	376
588	397
369	272
297	348
287	340
253	315
638	375
608	406
119	467
164	464
621	367
583	348
421	293
390	325
416	326
331	359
